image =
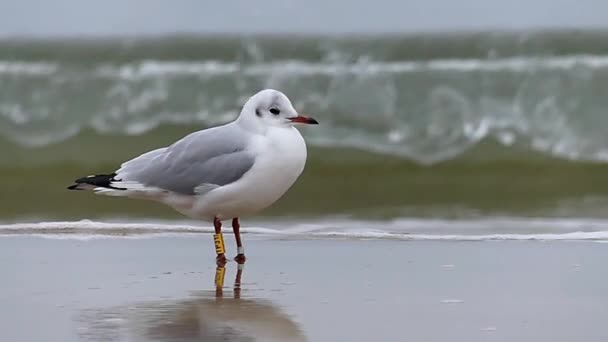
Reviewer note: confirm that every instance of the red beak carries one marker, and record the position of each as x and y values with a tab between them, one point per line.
304	119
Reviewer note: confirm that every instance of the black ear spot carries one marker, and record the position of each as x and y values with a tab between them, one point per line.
258	112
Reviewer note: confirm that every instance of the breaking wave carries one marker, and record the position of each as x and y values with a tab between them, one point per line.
380	96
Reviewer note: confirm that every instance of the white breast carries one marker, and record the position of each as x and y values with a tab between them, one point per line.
280	159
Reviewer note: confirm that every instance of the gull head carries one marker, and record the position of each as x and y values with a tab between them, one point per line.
271	108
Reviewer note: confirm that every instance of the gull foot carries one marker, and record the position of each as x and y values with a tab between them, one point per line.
240	258
220	260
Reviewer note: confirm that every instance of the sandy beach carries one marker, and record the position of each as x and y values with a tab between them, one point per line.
302	289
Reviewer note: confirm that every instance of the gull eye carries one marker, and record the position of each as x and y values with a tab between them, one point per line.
275	111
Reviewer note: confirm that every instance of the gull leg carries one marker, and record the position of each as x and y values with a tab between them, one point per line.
218	239
240	257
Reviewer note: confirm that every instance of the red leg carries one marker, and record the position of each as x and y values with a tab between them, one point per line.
219	242
236	227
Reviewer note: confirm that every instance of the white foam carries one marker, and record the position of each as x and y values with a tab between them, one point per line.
405	230
88	224
154	68
28	68
455	237
157	68
451	301
97	236
91	230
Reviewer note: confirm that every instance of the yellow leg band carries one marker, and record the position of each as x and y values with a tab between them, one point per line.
218	239
219	276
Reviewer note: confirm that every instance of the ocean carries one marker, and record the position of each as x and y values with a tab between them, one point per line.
437	126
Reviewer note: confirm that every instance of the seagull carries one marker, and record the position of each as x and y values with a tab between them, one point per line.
219	173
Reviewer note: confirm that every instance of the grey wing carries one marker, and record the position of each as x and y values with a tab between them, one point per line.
199	162
185	175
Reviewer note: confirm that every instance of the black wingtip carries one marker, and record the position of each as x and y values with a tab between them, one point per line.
99	181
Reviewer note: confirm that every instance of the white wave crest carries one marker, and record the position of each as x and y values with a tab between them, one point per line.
28	68
156	68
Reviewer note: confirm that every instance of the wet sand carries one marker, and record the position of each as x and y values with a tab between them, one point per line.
163	289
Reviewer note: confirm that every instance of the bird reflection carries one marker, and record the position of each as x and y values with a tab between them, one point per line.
220	272
211	315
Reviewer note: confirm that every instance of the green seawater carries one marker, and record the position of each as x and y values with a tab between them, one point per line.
335	182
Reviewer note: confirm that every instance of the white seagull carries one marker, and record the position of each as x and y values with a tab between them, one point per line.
222	172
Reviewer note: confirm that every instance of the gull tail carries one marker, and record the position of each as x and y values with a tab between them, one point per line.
95	182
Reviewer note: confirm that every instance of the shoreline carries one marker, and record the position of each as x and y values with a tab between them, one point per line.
405	229
163	288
